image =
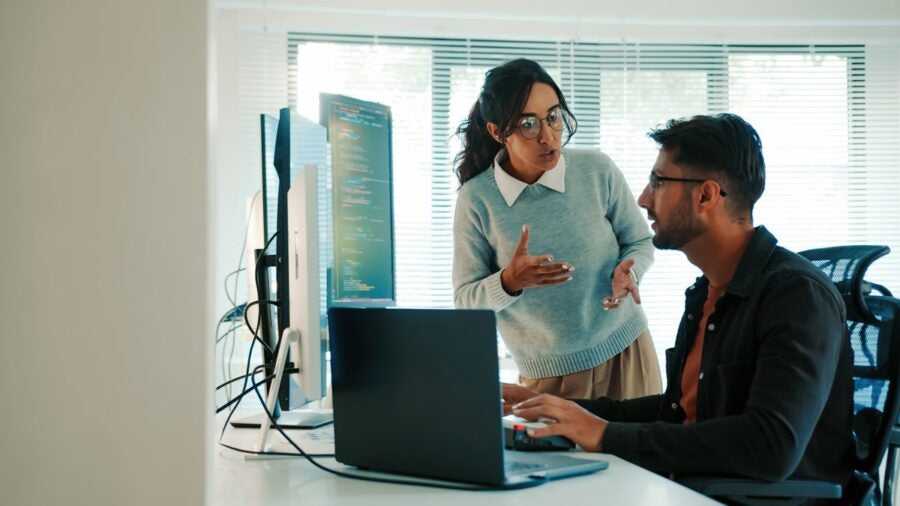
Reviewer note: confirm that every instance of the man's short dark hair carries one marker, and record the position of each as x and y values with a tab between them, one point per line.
723	146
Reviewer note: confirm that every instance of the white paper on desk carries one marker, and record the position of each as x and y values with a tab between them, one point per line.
315	441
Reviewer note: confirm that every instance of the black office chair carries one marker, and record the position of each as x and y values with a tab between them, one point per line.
847	266
873	323
890	468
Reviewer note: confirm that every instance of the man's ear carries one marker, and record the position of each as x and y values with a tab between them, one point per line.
494	131
710	193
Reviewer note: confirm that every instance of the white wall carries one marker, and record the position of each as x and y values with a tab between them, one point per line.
104	320
589	20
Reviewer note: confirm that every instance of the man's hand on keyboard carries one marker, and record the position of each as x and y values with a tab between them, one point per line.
571	420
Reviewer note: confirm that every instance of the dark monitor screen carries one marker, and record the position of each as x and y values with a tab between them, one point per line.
359	133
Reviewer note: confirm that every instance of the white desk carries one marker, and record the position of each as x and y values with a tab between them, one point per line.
236	481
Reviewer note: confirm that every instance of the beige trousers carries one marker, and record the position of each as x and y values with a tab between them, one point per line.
632	373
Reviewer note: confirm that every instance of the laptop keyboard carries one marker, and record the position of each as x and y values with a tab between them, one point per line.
522	467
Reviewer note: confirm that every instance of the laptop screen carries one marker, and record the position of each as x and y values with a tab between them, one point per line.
417	391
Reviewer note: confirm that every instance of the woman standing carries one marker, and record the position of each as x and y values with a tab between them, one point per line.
551	239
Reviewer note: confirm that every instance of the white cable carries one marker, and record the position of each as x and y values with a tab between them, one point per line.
226	365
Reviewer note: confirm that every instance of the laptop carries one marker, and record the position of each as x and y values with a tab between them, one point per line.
417	392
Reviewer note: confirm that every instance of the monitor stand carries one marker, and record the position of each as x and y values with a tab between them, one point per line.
295	419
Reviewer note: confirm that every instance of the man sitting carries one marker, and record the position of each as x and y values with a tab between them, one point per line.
759	380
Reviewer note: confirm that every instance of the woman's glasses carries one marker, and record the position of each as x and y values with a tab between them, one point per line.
529	126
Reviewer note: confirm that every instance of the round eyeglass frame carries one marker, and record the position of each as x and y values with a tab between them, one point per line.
564	122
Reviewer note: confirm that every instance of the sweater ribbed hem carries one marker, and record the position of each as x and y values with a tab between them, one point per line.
499	297
583	360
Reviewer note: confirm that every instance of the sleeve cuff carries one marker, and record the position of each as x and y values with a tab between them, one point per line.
499	297
599	406
621	439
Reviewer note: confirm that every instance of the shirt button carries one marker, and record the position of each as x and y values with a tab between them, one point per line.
674	405
690	317
701	375
711	326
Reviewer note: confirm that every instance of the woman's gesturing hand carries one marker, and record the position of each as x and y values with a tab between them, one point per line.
529	271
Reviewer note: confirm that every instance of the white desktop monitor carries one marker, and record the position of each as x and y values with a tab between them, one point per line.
304	313
303	287
303	294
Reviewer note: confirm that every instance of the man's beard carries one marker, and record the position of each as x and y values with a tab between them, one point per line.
681	229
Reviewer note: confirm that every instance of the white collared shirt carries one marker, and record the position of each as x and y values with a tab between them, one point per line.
511	188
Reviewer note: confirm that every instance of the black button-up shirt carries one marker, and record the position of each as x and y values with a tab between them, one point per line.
774	398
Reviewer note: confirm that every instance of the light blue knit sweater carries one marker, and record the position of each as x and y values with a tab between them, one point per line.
596	223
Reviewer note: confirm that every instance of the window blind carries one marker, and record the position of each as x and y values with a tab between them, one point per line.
827	116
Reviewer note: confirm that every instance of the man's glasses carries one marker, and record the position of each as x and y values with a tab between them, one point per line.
530	126
657	181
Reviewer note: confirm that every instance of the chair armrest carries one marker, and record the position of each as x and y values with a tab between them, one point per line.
723	486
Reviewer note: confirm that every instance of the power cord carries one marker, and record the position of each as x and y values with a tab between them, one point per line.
233	402
257	270
222	337
232	296
229	331
239	378
258	321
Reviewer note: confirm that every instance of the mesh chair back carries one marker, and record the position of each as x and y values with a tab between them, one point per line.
846	266
873	325
876	377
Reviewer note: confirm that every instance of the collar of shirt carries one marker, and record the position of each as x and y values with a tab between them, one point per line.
750	269
749	272
511	187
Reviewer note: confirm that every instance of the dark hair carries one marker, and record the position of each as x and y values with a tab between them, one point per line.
503	96
723	144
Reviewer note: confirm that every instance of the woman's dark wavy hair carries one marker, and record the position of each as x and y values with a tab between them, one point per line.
503	96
